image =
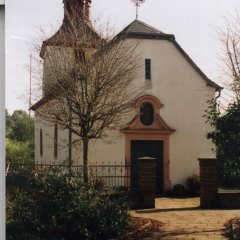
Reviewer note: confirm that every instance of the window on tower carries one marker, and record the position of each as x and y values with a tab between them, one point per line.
79	55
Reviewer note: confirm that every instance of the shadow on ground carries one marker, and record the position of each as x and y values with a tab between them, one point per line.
155	210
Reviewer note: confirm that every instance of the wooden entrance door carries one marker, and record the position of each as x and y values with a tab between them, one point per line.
153	149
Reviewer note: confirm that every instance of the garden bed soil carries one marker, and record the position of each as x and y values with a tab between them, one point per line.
140	228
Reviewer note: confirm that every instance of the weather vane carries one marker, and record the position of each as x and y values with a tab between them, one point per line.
137	3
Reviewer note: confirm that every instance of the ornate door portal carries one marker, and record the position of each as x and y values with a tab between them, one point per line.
147	135
153	149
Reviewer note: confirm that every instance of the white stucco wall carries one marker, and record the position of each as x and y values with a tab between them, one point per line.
48	143
100	152
184	94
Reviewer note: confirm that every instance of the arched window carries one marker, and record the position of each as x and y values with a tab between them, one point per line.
55	140
41	143
146	113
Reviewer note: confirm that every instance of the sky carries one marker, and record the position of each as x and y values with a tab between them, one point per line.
193	23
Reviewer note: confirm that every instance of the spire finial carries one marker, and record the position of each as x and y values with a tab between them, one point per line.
137	3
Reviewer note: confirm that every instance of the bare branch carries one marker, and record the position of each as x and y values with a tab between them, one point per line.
229	37
88	82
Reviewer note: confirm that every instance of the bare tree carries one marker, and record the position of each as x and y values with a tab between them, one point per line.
229	36
88	82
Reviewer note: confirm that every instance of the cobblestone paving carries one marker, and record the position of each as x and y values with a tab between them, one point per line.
183	219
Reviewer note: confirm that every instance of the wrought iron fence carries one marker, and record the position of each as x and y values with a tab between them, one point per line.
110	175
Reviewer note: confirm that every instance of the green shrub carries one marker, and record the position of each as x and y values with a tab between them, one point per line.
179	190
62	208
193	185
226	136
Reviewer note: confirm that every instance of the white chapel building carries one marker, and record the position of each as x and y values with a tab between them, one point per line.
167	122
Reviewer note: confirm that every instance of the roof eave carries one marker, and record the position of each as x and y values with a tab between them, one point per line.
150	36
210	83
154	36
41	102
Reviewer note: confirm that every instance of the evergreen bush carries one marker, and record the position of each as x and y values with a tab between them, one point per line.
59	207
226	136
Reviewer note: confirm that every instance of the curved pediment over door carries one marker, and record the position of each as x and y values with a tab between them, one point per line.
148	118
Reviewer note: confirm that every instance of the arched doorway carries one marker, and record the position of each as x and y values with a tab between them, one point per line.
147	135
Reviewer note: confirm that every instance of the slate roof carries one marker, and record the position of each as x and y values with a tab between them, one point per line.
139	29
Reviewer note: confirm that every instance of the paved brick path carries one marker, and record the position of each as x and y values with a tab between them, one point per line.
184	219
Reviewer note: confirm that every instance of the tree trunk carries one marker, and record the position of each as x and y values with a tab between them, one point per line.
70	152
85	161
70	144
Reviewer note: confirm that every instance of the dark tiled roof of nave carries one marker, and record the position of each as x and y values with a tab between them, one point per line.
139	27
